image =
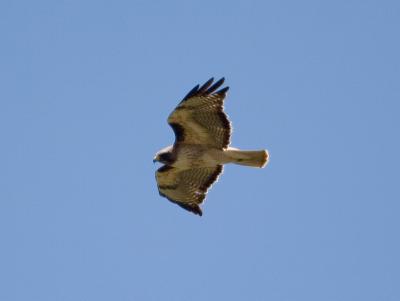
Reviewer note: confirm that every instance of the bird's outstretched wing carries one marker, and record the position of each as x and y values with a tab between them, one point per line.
200	118
186	187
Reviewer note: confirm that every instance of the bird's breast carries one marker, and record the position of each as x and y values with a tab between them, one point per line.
192	156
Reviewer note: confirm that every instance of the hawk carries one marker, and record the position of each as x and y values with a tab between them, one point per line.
202	137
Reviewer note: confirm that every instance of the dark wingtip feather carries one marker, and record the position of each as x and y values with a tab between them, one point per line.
194	208
216	85
205	86
191	92
207	89
223	91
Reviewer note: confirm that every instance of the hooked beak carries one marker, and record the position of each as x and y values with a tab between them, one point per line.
154	160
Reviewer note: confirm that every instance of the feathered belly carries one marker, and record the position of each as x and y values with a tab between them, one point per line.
193	156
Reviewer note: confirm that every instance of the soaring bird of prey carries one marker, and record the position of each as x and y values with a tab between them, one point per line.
202	137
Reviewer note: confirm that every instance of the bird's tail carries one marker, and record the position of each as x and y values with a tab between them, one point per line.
257	158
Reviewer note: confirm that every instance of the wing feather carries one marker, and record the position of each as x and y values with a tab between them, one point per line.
204	88
216	86
200	117
191	93
186	187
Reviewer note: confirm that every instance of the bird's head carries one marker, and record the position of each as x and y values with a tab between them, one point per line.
165	156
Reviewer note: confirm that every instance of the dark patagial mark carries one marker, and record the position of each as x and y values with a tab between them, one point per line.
165	168
168	187
179	131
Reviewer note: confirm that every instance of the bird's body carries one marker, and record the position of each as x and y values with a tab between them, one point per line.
202	137
195	156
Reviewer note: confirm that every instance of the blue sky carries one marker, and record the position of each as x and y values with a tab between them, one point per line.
86	87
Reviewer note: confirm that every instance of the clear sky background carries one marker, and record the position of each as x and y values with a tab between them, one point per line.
86	87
